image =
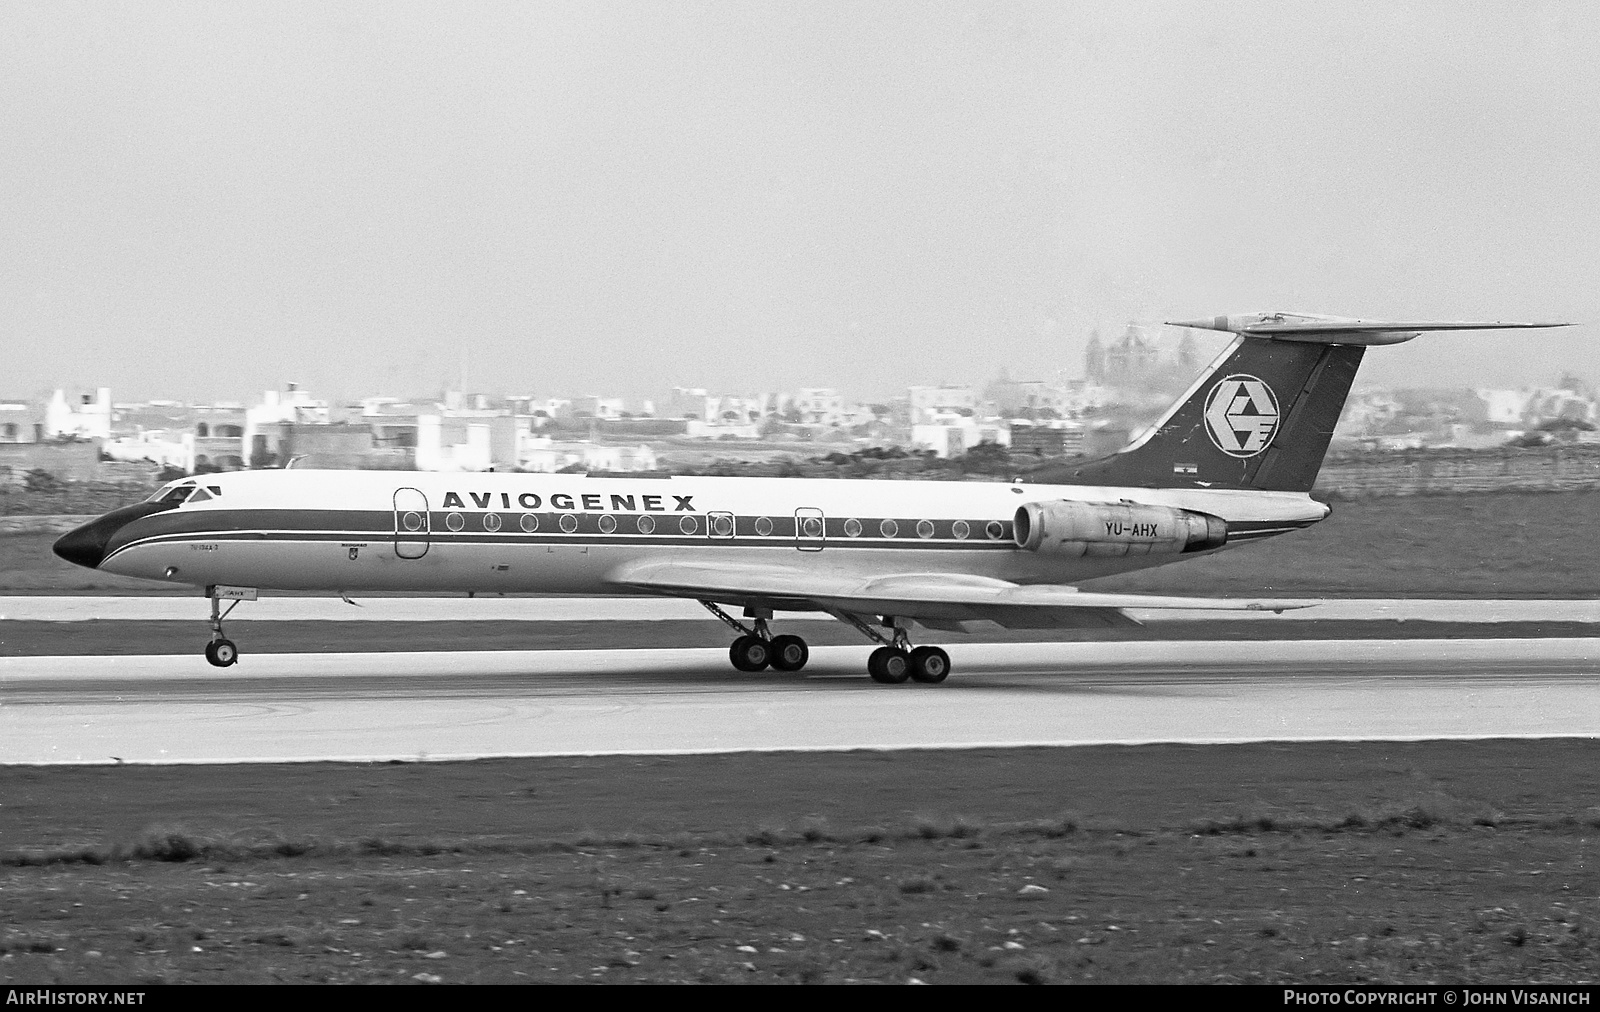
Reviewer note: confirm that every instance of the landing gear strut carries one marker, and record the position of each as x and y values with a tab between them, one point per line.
756	648
896	661
221	651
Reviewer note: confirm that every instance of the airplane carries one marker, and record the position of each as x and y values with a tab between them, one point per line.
1231	462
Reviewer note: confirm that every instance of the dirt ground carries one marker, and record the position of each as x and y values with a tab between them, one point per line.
1487	545
1416	862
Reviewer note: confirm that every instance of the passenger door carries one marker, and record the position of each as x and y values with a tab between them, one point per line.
810	529
412	525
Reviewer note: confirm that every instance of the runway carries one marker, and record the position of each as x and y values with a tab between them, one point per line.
68	608
409	706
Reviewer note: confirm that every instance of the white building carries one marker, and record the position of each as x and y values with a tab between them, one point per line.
926	402
951	435
19	422
159	446
820	406
1505	407
541	453
87	417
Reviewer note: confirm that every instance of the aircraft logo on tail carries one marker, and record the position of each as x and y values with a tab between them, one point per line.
1241	415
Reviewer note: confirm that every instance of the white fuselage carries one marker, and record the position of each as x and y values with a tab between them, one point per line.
345	531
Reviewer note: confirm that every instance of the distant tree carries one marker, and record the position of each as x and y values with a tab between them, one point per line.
40	480
988	457
170	473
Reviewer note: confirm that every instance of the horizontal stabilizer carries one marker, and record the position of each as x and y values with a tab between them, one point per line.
1339	330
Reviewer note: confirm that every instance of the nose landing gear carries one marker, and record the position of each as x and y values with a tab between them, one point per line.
221	651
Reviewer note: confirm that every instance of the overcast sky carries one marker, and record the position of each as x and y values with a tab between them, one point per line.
204	200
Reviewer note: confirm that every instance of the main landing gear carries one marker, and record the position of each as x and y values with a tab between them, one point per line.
894	662
897	660
221	651
756	648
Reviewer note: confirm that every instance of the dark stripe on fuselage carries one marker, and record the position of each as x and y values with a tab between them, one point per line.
368	526
354	538
585	528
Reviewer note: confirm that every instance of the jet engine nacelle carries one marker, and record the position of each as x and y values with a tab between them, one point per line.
1092	529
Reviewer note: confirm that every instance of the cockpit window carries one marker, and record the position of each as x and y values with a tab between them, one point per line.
200	495
174	494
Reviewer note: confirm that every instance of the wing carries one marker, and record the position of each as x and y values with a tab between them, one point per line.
938	600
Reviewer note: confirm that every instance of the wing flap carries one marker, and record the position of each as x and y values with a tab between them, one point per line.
944	598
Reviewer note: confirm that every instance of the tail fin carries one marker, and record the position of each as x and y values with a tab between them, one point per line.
1262	414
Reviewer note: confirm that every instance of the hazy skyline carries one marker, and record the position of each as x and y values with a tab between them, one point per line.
202	200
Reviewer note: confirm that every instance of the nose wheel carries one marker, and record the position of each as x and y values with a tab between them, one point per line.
221	651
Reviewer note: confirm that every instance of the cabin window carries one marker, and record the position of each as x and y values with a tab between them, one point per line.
852	527
455	521
412	521
924	528
811	527
687	525
530	522
994	529
608	524
889	528
647	525
763	526
722	525
569	523
491	521
960	529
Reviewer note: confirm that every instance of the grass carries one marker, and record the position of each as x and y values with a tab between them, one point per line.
1248	899
177	846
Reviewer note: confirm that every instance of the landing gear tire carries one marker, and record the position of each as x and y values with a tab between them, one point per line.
929	665
222	653
789	653
889	666
750	653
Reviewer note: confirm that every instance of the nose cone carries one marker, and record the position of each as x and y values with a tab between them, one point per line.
87	545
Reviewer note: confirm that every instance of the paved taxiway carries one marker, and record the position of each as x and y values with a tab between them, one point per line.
615	609
290	707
